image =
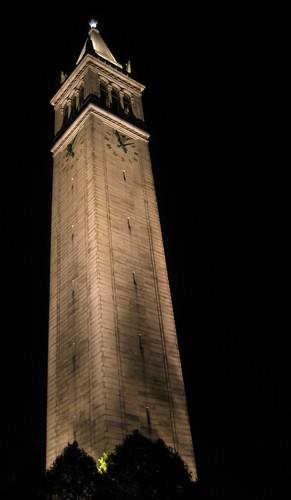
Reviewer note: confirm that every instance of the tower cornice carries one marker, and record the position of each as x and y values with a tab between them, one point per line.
108	118
103	69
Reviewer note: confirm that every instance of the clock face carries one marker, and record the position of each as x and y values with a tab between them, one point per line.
70	149
122	146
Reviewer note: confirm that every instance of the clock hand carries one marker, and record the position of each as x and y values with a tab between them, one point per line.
118	137
122	146
70	151
121	140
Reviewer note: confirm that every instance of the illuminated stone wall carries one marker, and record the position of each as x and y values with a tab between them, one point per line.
114	363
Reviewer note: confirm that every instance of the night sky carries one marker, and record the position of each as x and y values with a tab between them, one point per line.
207	106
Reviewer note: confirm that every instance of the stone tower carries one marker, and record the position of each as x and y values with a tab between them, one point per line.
114	362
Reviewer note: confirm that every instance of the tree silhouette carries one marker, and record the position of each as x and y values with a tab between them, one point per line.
74	476
144	469
138	469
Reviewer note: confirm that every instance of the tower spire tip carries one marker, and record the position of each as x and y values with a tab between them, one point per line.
93	23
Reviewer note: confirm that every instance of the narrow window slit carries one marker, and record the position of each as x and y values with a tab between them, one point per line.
134	277
128	223
148	416
124	175
140	342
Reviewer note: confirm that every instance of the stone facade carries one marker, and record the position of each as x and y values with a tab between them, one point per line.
114	362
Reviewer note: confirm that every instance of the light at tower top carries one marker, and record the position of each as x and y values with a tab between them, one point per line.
93	23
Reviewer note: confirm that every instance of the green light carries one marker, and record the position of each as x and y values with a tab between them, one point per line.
102	463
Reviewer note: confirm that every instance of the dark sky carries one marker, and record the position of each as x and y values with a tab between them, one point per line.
207	105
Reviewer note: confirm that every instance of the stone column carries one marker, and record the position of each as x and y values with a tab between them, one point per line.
69	104
109	94
137	107
59	116
98	85
121	95
77	94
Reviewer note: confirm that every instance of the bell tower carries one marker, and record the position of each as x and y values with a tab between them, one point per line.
114	362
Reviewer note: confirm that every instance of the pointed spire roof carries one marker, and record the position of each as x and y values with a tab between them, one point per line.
95	41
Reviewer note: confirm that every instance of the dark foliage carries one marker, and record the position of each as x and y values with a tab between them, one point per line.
74	476
144	469
139	469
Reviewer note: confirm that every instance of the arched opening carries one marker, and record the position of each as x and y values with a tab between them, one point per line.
103	94
115	103
65	115
81	96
